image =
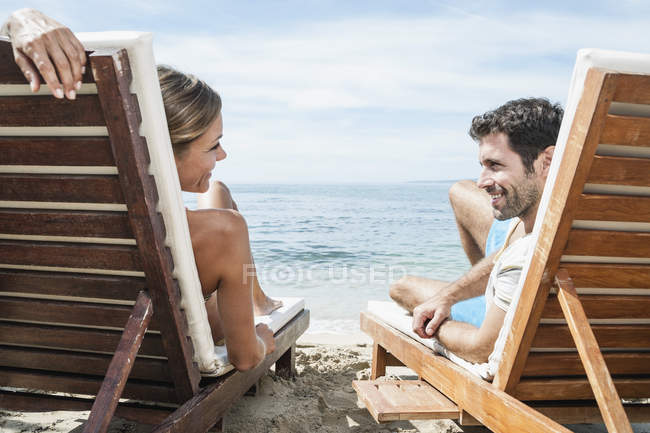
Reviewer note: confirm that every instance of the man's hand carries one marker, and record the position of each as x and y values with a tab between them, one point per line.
428	316
40	44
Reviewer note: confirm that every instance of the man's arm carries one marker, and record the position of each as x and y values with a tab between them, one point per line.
469	342
473	282
428	316
476	344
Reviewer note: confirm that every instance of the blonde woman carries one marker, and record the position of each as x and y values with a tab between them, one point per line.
218	231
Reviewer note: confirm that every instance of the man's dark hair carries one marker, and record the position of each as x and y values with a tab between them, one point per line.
531	124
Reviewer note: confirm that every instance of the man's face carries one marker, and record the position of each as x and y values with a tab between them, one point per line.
513	192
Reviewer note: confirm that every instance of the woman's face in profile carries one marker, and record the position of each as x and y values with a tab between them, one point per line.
197	162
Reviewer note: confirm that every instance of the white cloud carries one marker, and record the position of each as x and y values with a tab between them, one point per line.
402	63
315	98
277	85
372	98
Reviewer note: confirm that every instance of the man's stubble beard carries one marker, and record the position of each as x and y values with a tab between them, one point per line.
519	201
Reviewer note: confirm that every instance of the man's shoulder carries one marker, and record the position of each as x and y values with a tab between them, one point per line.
508	271
519	247
511	262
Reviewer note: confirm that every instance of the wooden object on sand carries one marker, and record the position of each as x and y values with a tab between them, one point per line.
393	400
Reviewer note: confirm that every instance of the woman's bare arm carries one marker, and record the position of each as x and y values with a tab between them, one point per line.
41	44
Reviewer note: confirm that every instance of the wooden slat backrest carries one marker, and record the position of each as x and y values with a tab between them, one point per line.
584	137
10	72
74	151
47	111
80	237
597	228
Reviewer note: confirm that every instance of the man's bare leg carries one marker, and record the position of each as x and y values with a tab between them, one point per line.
410	291
474	217
219	197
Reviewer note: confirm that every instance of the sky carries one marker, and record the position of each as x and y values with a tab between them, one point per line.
363	91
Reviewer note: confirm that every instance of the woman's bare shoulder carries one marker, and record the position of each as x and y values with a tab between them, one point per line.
206	223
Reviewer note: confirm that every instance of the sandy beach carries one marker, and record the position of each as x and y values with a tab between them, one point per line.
319	399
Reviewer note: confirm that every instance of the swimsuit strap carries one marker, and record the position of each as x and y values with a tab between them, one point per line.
207	297
505	245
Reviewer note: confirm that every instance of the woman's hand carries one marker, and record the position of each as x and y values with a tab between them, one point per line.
41	44
266	335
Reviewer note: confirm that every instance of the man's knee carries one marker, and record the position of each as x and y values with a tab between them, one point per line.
458	191
400	289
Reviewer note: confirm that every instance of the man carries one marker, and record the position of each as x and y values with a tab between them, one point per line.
516	144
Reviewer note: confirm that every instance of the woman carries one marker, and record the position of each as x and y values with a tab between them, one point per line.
218	232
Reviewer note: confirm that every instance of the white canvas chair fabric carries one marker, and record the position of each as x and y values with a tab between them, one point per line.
276	320
400	319
154	128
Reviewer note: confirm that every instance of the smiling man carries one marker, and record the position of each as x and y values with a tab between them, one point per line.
516	144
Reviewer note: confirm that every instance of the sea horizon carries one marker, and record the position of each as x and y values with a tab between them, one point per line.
339	245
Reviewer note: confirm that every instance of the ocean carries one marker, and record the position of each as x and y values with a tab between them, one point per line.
340	245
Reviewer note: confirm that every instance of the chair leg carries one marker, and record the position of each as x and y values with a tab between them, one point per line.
255	389
378	362
592	359
285	366
218	427
120	366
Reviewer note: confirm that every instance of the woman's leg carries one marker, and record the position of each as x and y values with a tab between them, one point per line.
219	197
214	318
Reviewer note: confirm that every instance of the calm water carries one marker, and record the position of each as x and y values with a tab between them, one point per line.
340	245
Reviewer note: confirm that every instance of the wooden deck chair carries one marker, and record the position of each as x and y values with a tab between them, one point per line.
100	302
577	339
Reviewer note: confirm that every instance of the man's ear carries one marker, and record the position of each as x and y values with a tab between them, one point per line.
546	157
